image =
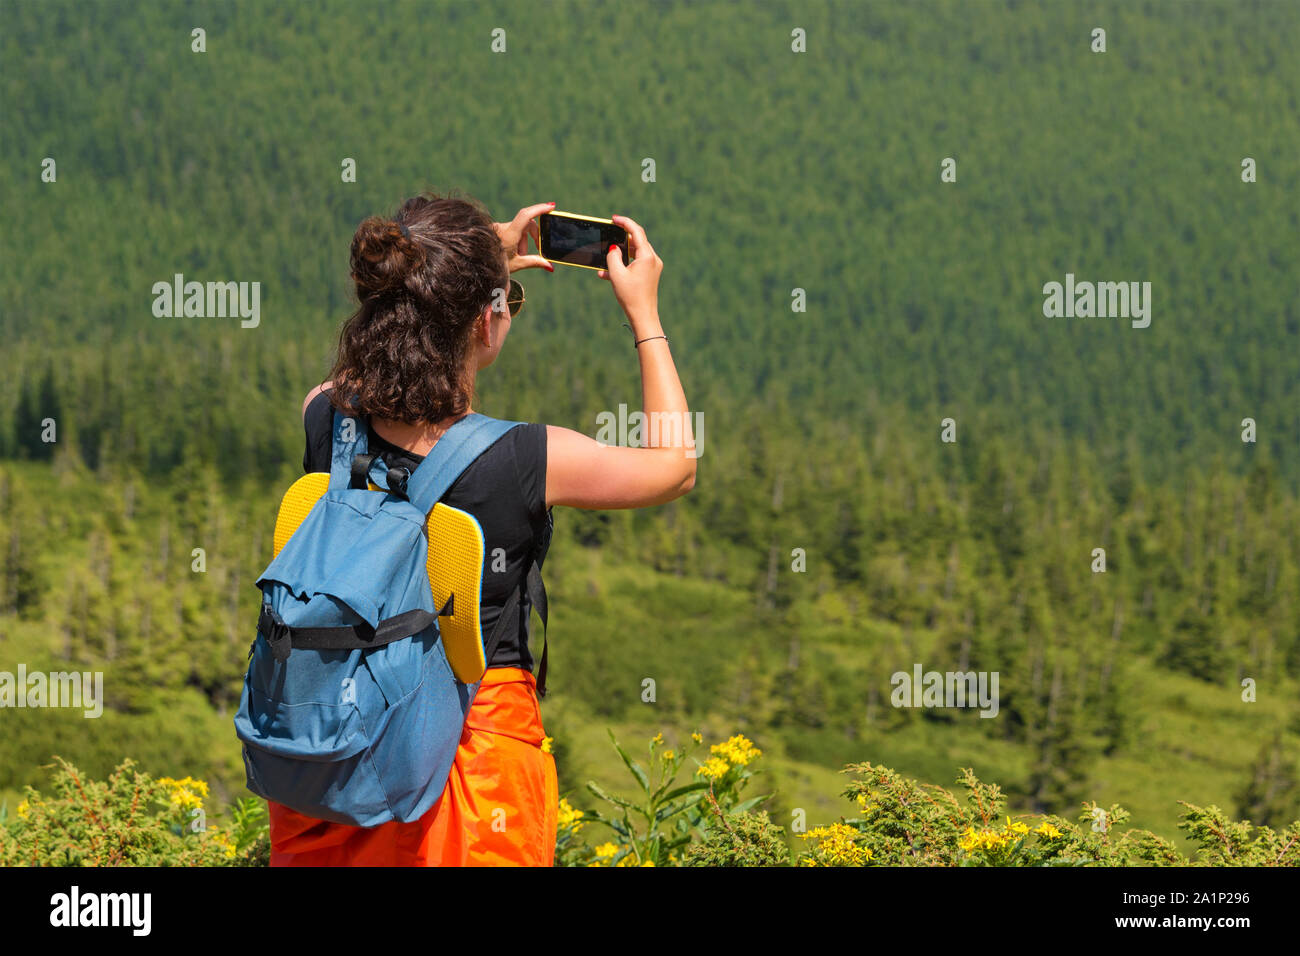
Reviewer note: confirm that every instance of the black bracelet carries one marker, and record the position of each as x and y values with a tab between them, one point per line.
638	341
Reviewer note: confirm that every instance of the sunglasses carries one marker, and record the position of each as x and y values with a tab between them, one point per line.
515	298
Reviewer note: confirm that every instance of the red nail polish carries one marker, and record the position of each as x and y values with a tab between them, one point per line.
612	247
550	268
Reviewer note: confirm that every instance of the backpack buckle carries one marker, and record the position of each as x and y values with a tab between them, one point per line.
360	471
277	633
397	478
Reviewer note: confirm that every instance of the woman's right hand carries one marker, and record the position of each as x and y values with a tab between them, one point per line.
636	285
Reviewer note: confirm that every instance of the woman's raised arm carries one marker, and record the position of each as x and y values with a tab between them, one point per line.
583	473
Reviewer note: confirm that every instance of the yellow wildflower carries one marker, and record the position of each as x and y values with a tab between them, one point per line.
569	817
838	846
974	839
1018	828
697	738
187	793
22	810
714	768
1047	830
606	850
657	739
546	744
968	839
223	841
737	749
669	755
186	783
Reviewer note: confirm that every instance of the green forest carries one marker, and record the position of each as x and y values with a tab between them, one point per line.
904	460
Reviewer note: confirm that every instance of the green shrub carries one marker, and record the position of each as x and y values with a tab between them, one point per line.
129	820
899	822
742	839
904	823
662	816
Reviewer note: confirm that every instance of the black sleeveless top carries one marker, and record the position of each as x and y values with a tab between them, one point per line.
504	489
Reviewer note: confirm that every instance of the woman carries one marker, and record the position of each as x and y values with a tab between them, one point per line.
431	283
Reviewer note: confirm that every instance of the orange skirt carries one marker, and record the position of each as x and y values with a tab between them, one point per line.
499	807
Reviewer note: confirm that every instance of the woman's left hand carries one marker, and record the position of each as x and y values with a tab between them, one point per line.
514	236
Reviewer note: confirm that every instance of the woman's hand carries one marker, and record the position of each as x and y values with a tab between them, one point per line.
514	236
636	285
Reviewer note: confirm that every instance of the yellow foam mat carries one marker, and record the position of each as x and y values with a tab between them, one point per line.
297	504
456	568
456	552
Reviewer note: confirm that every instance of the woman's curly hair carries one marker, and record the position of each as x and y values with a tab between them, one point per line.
422	278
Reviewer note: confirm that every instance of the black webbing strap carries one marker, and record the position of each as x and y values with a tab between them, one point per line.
397	475
361	472
282	638
507	612
537	596
397	478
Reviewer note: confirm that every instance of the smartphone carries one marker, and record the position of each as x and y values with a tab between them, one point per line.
576	240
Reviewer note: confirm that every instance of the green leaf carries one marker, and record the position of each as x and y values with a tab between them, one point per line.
682	791
659	792
748	804
617	801
676	841
668	809
618	826
632	765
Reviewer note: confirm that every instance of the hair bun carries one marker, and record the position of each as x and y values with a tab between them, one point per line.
384	256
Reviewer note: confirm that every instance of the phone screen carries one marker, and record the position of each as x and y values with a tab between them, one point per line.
579	242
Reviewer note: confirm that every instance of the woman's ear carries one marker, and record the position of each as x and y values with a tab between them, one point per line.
483	328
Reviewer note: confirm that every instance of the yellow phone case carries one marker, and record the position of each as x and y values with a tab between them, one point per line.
456	551
576	215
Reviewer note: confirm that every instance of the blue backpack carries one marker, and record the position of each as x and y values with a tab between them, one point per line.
350	710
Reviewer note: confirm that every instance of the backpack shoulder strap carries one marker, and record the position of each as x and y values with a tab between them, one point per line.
349	441
454	452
